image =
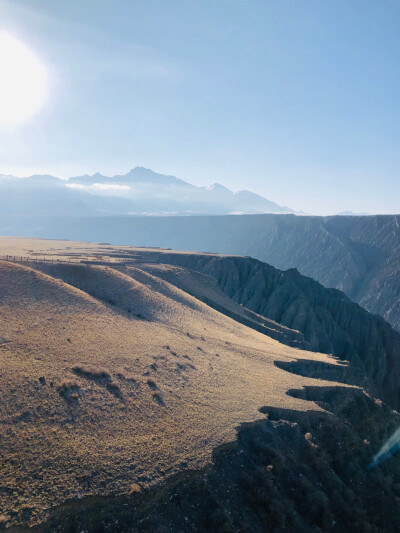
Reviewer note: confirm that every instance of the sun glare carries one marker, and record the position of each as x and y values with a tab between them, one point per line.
23	81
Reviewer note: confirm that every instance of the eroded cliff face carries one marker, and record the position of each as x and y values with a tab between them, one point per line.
329	320
358	255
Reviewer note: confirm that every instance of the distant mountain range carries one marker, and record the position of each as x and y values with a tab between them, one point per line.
351	214
139	192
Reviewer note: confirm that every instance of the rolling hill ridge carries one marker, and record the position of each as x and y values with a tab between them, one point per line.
358	255
136	383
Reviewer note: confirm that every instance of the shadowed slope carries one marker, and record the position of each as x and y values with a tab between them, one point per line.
296	472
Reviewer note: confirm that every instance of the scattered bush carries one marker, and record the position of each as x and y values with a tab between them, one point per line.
135	488
185	366
92	372
158	398
3	521
114	389
69	389
122	374
68	384
152	384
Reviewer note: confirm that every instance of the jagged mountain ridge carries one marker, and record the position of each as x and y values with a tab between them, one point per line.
139	191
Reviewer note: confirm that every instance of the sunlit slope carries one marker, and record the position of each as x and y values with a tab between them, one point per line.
112	378
206	289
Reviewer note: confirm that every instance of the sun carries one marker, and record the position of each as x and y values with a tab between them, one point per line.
23	81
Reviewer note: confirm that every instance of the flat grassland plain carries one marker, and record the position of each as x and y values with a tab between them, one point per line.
114	375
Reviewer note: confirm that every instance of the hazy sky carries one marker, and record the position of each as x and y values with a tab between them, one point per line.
296	100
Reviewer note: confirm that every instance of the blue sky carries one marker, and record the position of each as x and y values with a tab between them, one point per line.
296	100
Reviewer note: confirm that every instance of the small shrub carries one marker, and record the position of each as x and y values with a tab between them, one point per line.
309	439
135	488
68	384
114	389
185	366
122	374
158	398
152	384
69	389
3	521
91	371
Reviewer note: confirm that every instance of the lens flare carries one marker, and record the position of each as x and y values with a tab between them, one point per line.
390	447
23	81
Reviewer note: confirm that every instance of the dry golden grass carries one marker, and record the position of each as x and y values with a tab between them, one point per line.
152	379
